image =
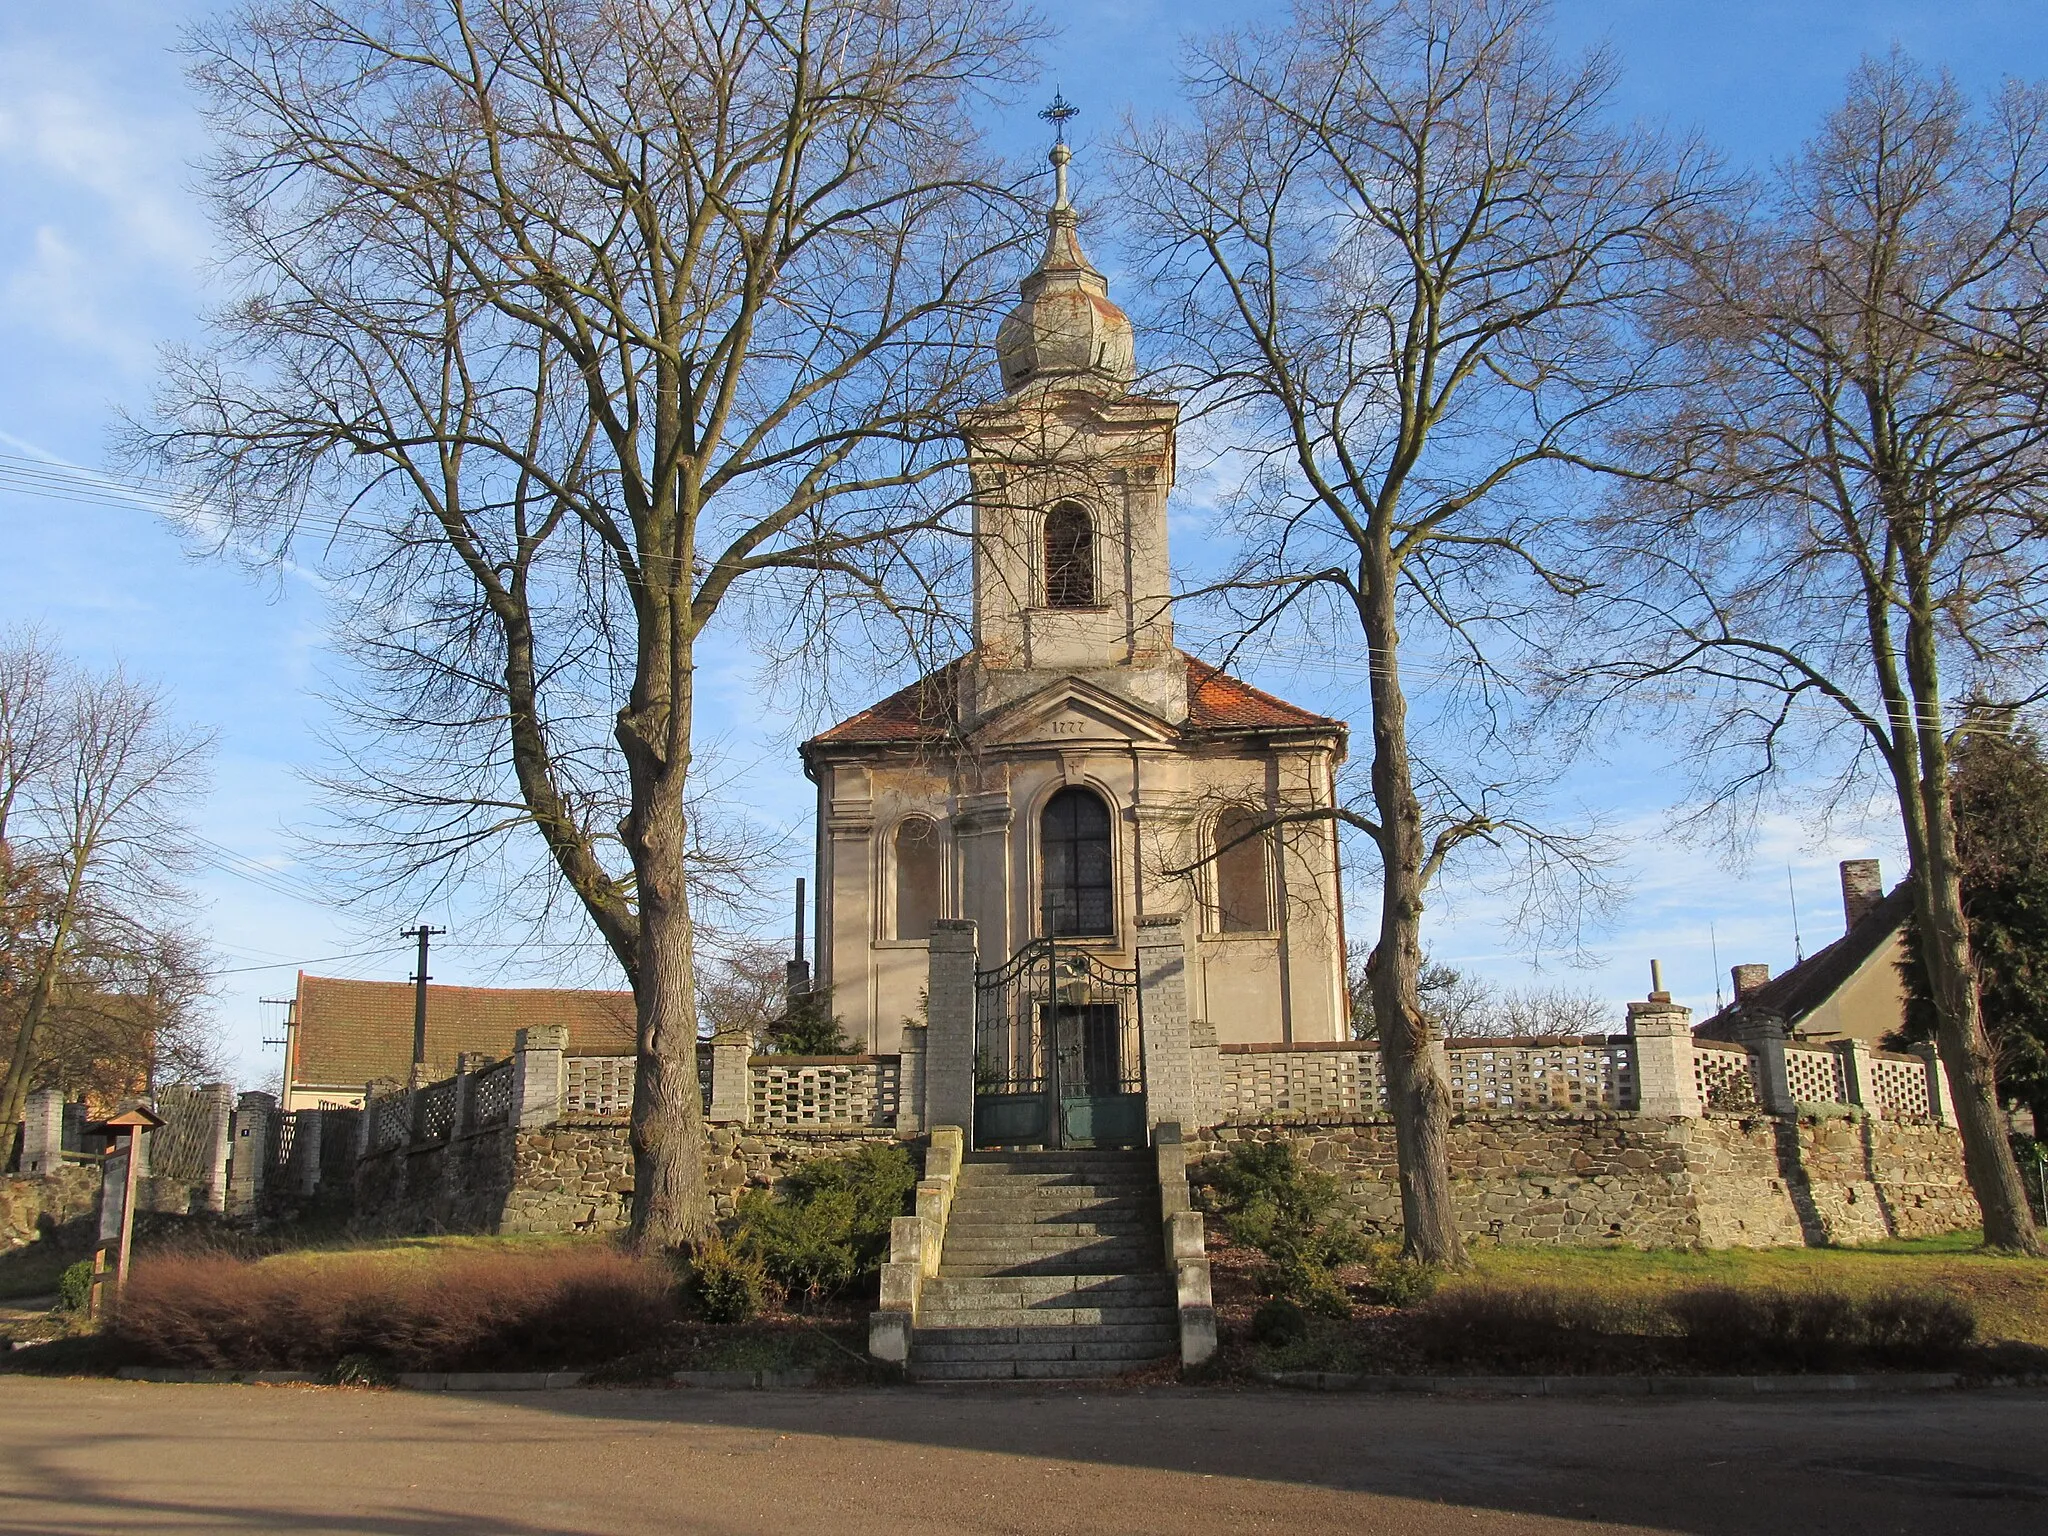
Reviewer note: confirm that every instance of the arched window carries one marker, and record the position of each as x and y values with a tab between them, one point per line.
1244	902
1069	557
1075	856
918	877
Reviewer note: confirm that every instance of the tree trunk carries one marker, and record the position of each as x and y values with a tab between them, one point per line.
1966	1049
1417	1095
671	1201
22	1063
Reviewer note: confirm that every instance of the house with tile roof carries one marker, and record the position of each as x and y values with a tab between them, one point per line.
1849	990
1076	772
346	1033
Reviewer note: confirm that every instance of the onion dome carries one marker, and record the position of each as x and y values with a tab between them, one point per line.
1066	331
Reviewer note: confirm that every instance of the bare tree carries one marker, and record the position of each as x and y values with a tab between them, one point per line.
742	997
590	314
1842	524
92	775
1400	248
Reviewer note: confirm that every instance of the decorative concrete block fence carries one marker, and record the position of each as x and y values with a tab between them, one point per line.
1647	1135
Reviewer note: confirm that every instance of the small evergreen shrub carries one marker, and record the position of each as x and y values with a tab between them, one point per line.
828	1226
728	1287
809	1027
1279	1321
74	1287
1269	1200
1397	1280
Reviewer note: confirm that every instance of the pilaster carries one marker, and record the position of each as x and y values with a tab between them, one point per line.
1662	1032
949	1037
1163	1017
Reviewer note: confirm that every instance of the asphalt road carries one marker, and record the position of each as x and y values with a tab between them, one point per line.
97	1456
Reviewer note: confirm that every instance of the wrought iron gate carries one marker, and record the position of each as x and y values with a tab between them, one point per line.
1057	1058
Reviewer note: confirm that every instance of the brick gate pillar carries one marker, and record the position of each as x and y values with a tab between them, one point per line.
1163	1014
949	1037
42	1133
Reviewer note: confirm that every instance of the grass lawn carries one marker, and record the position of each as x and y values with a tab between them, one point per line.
2009	1295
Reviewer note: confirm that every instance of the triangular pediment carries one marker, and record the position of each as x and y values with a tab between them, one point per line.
1071	712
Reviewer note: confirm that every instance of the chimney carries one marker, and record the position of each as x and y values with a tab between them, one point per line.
1862	889
1748	978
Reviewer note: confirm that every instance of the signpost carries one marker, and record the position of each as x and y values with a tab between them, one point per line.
117	1230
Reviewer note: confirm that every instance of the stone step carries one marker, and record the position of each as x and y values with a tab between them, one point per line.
1162	1332
1037	1200
922	1353
1062	1237
1070	1157
1040	1191
1019	1370
1040	1234
1036	1317
1092	1290
1042	1264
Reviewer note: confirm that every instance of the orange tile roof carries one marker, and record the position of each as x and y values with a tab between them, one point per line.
929	708
1218	701
350	1032
925	711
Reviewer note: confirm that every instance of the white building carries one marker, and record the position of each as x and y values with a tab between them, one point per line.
1062	776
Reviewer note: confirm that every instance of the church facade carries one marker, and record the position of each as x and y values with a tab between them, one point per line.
1077	772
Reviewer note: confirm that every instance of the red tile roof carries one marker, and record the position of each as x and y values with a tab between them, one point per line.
925	711
928	709
1219	702
348	1032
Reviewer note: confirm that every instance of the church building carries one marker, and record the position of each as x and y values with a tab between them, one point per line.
1075	772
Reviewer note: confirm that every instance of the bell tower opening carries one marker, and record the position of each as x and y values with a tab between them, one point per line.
1069	557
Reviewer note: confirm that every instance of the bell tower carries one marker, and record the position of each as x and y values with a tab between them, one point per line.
1070	474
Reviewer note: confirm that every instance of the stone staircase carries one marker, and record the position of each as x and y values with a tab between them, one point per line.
1052	1268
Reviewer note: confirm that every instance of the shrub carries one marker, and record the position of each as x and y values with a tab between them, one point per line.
1271	1201
1725	1328
1279	1321
458	1309
729	1287
74	1287
1917	1328
1516	1327
1722	1328
828	1225
1395	1280
809	1027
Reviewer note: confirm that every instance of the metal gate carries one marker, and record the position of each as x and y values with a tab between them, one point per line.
1057	1059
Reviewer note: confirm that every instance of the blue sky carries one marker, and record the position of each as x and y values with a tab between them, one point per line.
104	255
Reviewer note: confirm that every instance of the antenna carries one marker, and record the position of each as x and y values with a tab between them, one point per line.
1714	944
1798	944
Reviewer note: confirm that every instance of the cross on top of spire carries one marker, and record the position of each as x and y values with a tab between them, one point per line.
1058	115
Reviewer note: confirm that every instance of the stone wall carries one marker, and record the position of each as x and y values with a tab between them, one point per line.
33	1209
574	1175
460	1185
1654	1182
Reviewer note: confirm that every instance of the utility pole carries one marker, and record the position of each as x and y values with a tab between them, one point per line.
419	1002
291	1018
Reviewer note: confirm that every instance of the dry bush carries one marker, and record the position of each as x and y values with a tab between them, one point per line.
1723	1328
1513	1328
420	1310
